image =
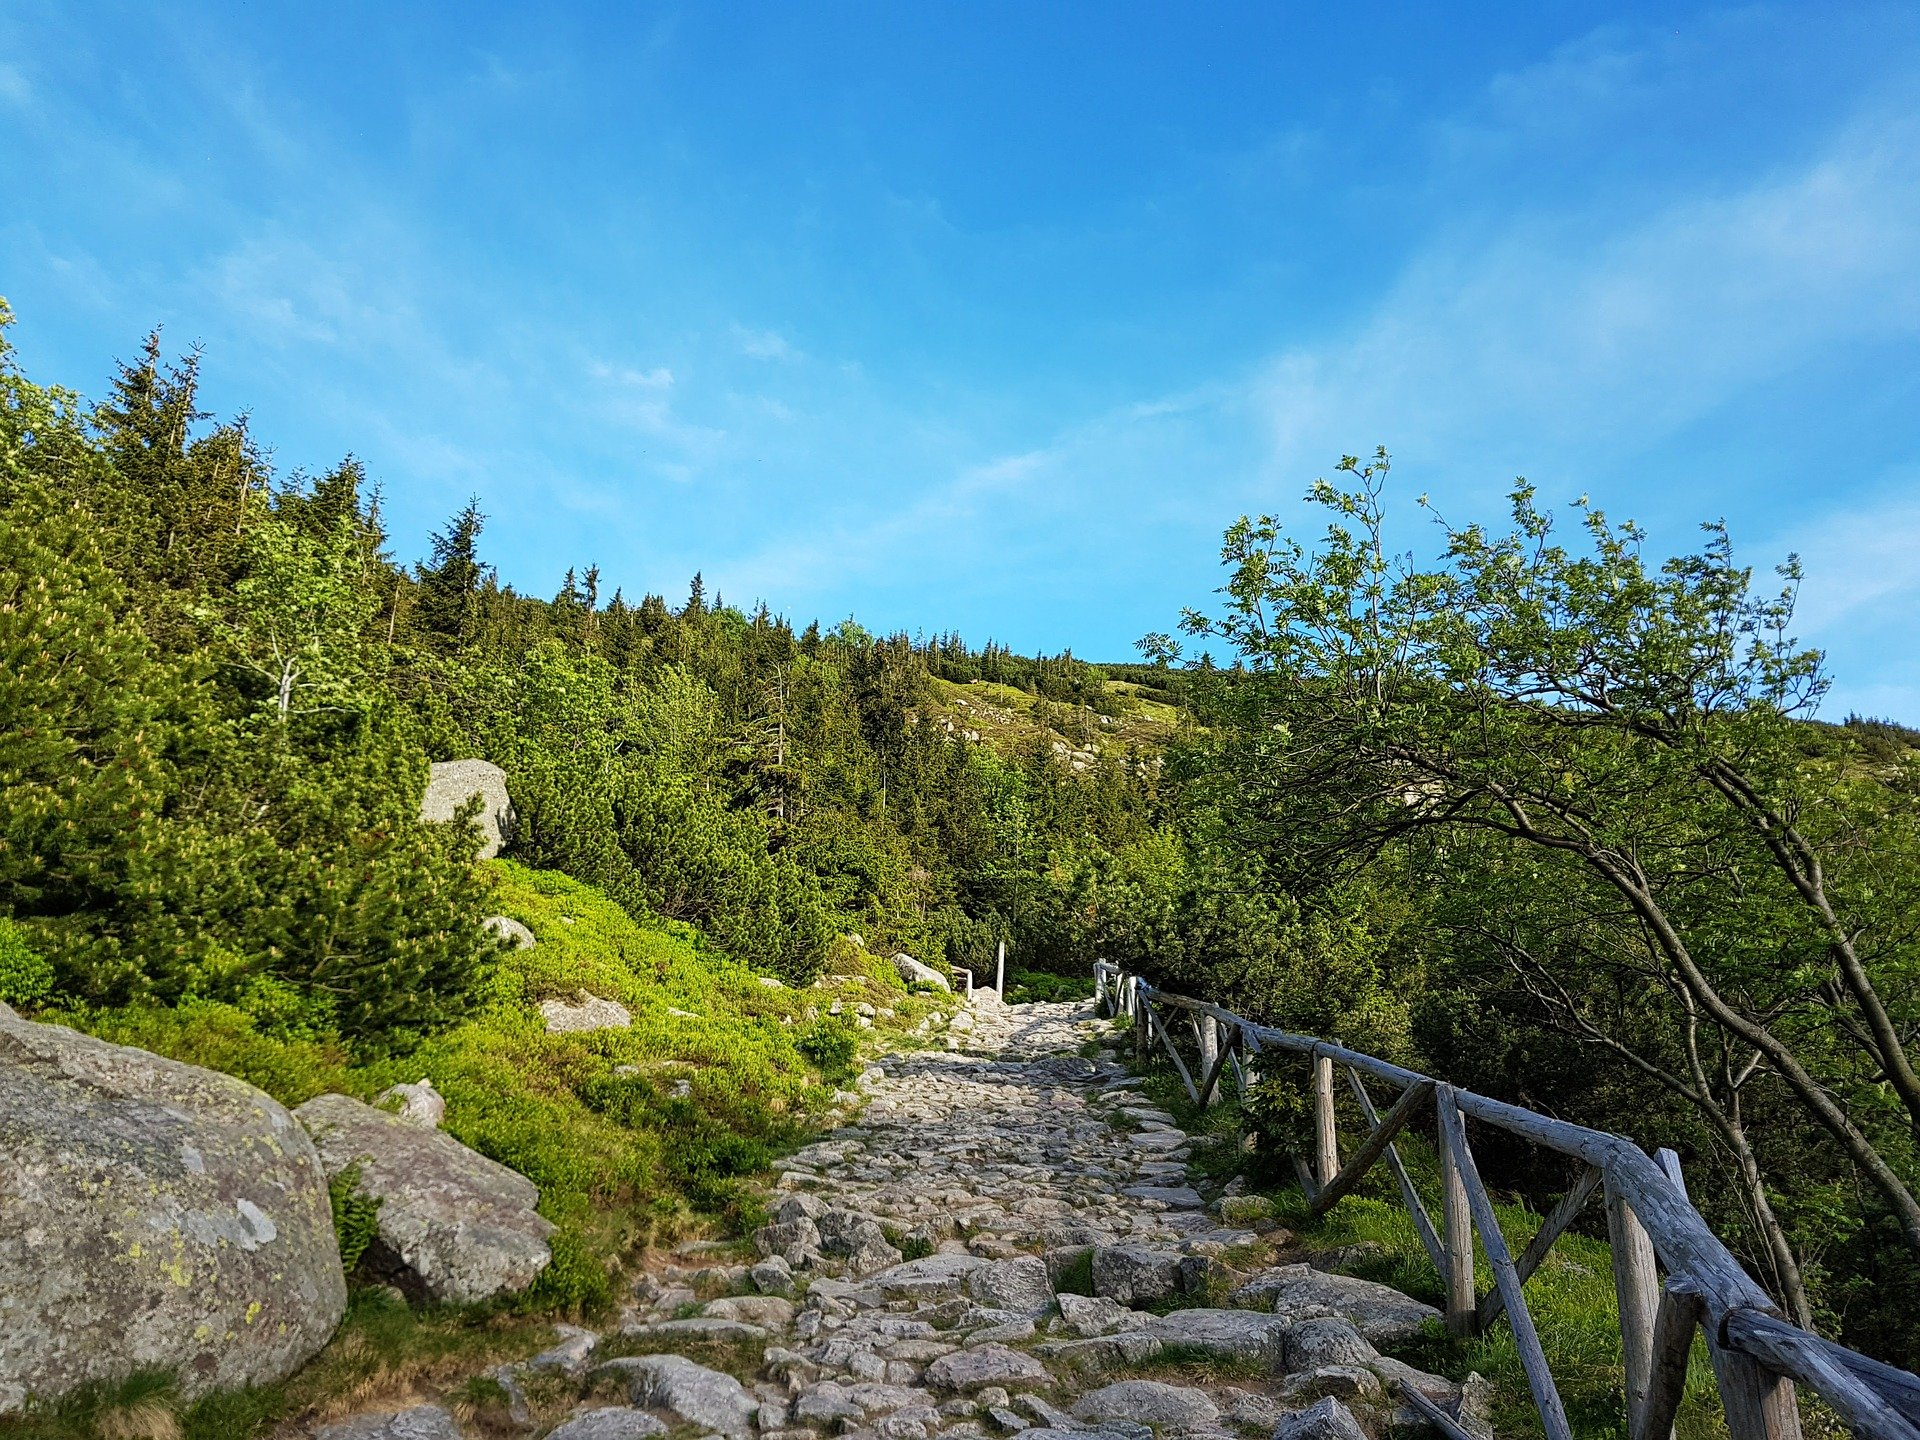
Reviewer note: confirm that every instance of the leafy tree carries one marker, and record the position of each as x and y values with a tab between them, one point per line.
1635	729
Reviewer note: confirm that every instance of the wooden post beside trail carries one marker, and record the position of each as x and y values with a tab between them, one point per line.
1000	975
1326	1140
1207	1030
1456	1227
1637	1283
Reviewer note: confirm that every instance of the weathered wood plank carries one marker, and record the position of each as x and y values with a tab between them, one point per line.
1374	1146
1409	1196
1551	1229
1166	1039
1674	1323
1769	1338
1326	1137
1533	1360
1209	1089
1636	1283
1456	1219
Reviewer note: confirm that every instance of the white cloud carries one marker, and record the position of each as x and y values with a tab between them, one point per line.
764	344
1861	564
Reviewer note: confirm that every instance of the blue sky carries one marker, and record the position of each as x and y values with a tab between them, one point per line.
990	316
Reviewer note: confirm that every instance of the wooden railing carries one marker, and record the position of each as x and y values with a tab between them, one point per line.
1757	1355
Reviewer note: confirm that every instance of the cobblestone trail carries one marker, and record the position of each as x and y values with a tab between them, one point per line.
1004	1239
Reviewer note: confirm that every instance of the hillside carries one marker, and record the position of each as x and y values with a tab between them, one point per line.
1128	721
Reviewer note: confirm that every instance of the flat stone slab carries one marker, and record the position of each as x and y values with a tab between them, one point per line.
988	1365
1379	1312
1147	1402
617	1422
422	1422
1232	1334
929	1277
1176	1197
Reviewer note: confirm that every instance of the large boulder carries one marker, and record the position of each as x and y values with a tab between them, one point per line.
453	782
1379	1312
591	1013
453	1225
1148	1402
153	1215
715	1402
917	972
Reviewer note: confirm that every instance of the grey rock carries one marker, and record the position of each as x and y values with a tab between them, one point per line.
1344	1382
1234	1334
772	1276
1331	1340
515	935
694	1327
417	1104
1174	1197
801	1206
915	973
696	1394
1379	1312
1325	1419
1021	1283
453	1225
571	1356
153	1215
989	1365
589	1013
1147	1402
1103	1354
1135	1274
452	783
929	1277
422	1422
792	1240
1088	1315
613	1423
768	1310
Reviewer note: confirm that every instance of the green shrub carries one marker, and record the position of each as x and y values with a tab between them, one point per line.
833	1046
25	976
356	1216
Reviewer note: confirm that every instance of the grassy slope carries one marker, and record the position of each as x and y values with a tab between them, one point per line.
622	1159
1003	716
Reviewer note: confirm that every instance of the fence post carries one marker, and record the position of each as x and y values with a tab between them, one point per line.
1759	1404
1326	1140
1456	1225
1208	1033
1637	1284
1142	1036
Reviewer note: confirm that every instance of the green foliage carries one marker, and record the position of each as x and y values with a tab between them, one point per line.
1028	986
1579	795
356	1216
831	1045
25	976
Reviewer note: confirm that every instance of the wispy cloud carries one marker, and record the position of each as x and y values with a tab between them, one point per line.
764	344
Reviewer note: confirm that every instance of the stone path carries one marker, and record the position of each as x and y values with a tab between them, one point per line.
1006	1239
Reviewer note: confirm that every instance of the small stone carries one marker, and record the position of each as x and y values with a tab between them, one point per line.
773	1276
696	1394
1020	1283
422	1422
591	1013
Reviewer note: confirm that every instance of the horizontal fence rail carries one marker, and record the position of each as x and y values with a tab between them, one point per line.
1652	1227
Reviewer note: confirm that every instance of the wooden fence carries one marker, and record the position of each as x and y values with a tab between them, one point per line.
1758	1356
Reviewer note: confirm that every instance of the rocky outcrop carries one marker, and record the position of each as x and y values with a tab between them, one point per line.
1379	1312
153	1215
453	1225
452	783
590	1013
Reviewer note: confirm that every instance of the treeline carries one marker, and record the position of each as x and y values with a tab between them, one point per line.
220	691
